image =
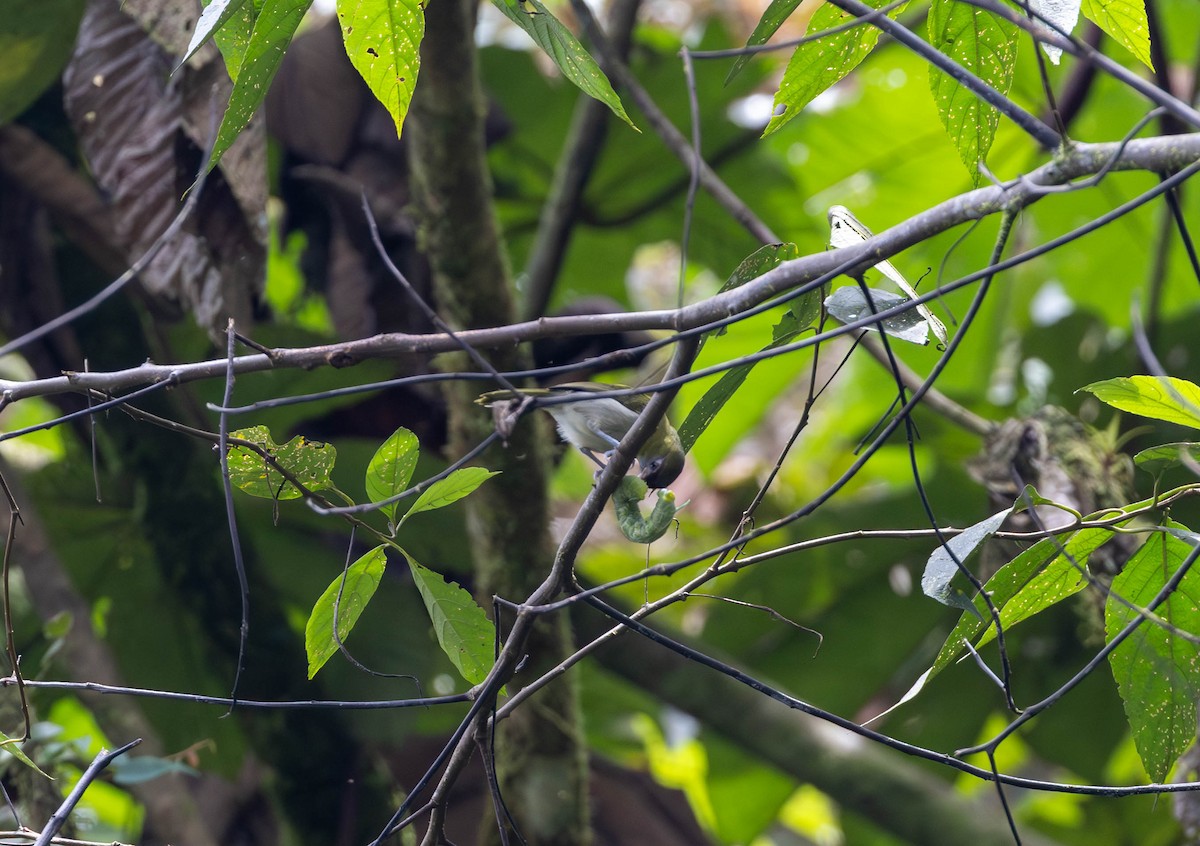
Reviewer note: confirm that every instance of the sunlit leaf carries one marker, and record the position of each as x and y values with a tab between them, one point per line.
356	585
383	41
1161	398
392	467
1157	671
1125	21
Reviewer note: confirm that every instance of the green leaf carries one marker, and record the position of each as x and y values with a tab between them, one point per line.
35	40
816	65
985	44
357	585
1125	21
705	410
1008	582
13	747
232	35
216	13
1064	576
768	25
310	462
383	41
391	468
941	568
1157	672
450	489
273	30
750	268
561	46
1170	399
462	629
799	317
1159	459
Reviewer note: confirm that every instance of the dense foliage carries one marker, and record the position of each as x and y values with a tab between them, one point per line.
925	577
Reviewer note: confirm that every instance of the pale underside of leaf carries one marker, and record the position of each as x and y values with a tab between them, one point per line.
1063	14
846	230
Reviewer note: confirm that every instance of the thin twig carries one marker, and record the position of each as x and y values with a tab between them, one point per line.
59	817
239	563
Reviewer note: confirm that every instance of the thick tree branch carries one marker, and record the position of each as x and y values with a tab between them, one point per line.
1158	155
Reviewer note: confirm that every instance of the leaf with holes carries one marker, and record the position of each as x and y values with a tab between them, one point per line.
383	41
1008	582
1065	576
309	462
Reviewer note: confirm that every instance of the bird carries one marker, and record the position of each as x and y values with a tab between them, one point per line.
598	425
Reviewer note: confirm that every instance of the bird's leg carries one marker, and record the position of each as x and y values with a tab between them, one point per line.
599	463
604	436
592	456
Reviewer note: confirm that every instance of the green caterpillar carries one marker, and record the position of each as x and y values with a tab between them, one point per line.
633	525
